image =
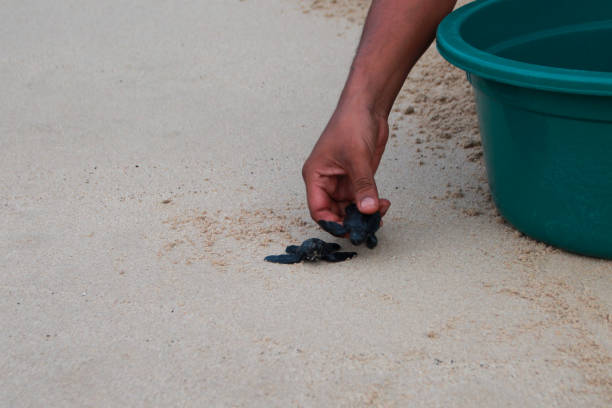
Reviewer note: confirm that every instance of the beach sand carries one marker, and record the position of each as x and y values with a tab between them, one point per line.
151	158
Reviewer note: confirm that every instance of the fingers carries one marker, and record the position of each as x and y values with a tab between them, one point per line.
323	206
320	204
364	187
384	206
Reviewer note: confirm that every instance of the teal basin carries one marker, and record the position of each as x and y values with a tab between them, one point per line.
542	77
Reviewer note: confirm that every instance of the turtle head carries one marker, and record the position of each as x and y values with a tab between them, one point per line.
311	249
358	235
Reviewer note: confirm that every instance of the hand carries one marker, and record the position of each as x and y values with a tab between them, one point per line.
340	170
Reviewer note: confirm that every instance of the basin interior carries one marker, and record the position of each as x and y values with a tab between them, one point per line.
560	34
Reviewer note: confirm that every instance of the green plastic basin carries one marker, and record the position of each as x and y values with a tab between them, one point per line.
542	77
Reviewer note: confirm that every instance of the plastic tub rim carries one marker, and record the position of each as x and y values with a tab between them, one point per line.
459	52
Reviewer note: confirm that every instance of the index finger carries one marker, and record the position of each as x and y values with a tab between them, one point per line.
320	203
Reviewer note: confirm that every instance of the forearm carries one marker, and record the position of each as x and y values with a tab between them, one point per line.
395	35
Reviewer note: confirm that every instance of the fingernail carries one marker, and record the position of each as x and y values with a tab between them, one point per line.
368	202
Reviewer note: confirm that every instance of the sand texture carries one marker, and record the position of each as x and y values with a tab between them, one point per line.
151	157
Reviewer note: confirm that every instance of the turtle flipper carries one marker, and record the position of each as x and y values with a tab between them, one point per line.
333	228
292	249
373	222
331	247
371	241
339	256
283	259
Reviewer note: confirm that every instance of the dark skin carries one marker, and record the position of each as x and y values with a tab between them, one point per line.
341	168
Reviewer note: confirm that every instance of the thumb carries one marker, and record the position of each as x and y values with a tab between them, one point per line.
364	188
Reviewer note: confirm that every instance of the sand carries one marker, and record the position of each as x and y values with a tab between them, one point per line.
151	159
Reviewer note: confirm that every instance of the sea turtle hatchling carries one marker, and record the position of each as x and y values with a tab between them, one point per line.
312	249
360	227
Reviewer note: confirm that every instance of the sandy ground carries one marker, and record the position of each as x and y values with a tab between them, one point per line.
151	155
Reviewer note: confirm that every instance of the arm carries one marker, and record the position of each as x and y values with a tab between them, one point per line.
341	167
395	35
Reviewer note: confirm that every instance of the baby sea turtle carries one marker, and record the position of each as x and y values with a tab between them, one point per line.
312	249
360	227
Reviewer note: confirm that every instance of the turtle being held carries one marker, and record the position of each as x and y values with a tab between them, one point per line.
360	227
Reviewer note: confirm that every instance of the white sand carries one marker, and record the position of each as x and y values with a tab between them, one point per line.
151	156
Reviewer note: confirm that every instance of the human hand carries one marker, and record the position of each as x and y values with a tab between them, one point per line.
340	170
